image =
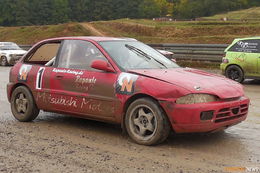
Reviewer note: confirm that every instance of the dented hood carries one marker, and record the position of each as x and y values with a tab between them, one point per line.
196	81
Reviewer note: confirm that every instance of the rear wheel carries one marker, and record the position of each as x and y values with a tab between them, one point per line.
23	105
235	73
3	61
146	123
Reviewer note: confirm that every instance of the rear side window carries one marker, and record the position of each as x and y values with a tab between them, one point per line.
248	46
78	54
44	54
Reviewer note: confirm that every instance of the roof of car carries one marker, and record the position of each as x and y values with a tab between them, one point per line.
6	43
95	38
248	38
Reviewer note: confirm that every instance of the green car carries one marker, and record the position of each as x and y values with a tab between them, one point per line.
242	59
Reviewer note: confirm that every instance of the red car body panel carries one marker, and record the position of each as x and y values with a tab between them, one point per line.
105	96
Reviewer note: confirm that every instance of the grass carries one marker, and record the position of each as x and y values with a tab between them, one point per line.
33	34
247	14
149	31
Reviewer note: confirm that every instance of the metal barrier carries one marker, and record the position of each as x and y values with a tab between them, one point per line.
192	52
25	47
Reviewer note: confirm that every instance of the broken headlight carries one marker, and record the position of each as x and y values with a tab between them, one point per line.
196	98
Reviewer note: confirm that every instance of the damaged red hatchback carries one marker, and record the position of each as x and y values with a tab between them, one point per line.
122	81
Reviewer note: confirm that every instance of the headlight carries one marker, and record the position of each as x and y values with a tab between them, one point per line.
196	98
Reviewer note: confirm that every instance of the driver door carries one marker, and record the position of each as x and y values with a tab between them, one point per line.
78	88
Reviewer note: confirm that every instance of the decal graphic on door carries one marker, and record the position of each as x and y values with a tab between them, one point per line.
126	83
39	78
23	72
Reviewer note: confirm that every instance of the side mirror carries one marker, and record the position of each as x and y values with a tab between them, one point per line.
102	65
174	60
167	54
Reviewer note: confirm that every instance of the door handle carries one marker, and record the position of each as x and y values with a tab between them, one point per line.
59	77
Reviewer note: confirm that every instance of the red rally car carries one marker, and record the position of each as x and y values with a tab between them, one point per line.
122	81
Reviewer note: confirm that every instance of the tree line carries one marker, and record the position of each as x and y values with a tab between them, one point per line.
35	12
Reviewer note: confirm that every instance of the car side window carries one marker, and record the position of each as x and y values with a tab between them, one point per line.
44	54
247	46
78	54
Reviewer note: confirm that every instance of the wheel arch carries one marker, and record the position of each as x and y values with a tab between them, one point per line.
18	85
4	56
234	65
31	111
7	58
134	98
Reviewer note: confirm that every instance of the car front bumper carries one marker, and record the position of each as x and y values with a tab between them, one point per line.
187	118
223	67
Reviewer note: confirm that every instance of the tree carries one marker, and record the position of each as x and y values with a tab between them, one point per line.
165	7
8	12
80	10
149	9
35	12
22	13
59	11
40	12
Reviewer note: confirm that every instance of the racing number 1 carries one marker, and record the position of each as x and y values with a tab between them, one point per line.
39	78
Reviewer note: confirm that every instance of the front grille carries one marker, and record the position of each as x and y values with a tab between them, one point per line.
230	113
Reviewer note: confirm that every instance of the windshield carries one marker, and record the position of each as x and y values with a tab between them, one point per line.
9	46
131	55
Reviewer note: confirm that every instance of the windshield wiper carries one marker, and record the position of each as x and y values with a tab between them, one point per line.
144	54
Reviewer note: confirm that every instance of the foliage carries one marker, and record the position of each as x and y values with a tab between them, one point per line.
190	9
35	12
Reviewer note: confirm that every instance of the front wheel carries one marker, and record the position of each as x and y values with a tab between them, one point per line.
3	61
235	73
23	105
146	123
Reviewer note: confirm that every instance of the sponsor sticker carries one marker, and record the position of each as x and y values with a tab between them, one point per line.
23	72
75	72
126	83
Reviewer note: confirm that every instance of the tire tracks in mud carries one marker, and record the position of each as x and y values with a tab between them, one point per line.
82	151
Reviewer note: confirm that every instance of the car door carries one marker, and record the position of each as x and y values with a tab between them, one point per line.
77	88
251	49
245	53
258	57
41	71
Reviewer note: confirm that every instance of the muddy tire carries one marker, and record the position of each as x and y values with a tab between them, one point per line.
235	73
23	105
146	123
3	61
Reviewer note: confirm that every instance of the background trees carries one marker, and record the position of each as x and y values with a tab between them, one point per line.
35	12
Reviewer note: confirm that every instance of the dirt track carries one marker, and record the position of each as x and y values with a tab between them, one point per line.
59	143
93	30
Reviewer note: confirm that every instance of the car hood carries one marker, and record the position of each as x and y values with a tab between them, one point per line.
196	81
13	51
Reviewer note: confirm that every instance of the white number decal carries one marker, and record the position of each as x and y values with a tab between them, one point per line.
39	78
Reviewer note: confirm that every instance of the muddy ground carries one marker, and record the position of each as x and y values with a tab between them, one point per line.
59	143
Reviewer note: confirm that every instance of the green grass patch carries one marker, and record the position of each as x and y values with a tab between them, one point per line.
247	14
33	34
202	32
